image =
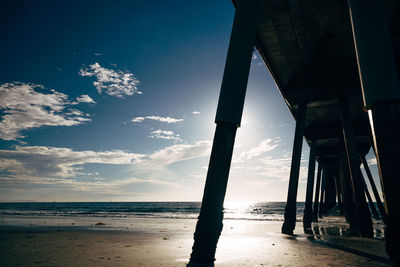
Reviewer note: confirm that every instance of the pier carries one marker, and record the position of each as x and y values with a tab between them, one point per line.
336	64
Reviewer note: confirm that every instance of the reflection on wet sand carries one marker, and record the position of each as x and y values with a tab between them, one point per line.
321	231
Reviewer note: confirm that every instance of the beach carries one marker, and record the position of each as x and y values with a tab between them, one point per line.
143	241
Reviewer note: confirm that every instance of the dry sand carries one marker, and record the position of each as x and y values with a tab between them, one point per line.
167	242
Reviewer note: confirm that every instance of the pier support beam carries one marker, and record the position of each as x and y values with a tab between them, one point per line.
387	141
330	190
364	215
381	92
322	198
228	118
307	218
290	209
209	224
317	189
338	191
347	189
374	189
371	204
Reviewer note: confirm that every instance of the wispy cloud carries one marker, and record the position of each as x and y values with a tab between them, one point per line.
372	161
113	82
196	112
264	146
56	165
85	99
282	125
167	135
99	185
24	106
180	152
63	162
279	167
156	118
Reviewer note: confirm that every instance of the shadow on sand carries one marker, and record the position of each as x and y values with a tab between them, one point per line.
320	235
200	264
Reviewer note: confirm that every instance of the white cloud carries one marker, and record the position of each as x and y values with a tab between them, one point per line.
167	135
279	168
55	165
113	82
282	125
181	152
63	162
25	107
264	146
99	185
372	161
156	118
254	56
85	99
196	112
98	54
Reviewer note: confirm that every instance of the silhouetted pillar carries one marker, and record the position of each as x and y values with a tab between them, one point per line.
321	200
330	190
374	189
228	118
338	191
370	201
307	218
290	209
347	189
364	216
317	189
381	91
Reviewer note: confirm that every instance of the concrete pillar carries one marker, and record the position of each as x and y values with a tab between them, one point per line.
317	189
347	189
374	189
381	91
330	190
307	218
209	224
338	191
290	209
371	203
322	198
387	141
364	216
228	118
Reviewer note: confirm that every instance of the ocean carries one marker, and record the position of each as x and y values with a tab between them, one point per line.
267	211
142	216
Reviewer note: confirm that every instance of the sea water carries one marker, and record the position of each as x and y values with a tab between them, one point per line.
120	215
268	211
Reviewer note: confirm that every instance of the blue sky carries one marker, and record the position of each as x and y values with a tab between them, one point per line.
115	100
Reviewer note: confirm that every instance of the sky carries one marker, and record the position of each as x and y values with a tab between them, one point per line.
116	100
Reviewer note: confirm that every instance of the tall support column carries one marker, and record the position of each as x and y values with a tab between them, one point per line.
338	192
348	190
290	209
307	218
370	201
322	198
381	91
374	189
364	216
330	191
228	118
317	189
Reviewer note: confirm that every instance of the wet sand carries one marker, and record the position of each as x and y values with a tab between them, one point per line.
167	242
